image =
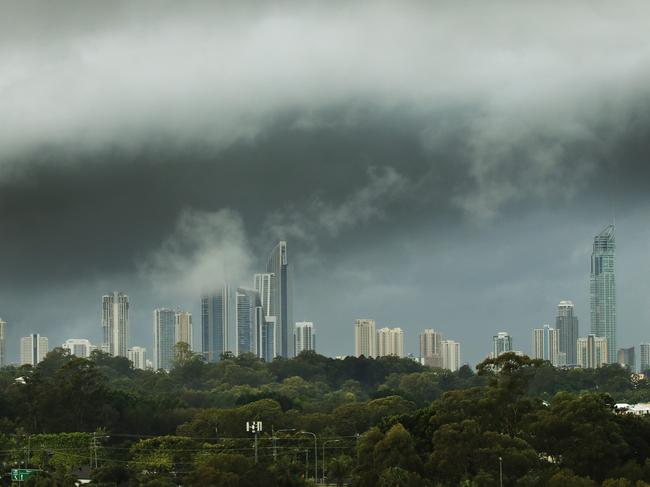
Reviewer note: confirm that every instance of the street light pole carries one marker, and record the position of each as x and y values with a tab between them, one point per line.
500	472
275	448
315	454
323	467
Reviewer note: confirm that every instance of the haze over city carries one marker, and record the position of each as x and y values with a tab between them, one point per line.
443	171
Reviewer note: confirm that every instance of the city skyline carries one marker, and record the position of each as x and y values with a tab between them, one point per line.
115	310
470	175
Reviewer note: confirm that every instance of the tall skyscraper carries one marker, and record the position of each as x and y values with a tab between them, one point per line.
79	347
546	344
216	315
115	323
644	357
138	356
592	351
266	327
626	358
365	338
390	341
305	336
266	324
450	351
263	285
248	300
566	323
501	343
33	349
430	351
184	332
164	338
3	347
281	302
602	287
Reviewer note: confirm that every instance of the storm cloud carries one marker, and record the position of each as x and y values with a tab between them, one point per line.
431	164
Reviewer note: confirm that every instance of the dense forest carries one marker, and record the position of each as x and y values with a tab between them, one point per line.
370	422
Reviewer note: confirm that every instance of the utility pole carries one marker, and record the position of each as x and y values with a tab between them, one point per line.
306	463
274	438
256	448
357	435
323	467
28	451
315	454
254	427
94	445
500	472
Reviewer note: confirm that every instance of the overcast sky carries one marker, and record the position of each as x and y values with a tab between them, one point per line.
431	164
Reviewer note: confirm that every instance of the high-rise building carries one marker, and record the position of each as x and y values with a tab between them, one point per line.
79	347
3	347
115	323
263	285
184	332
626	358
281	300
602	289
390	341
365	338
138	356
266	327
644	357
216	315
545	344
592	351
450	351
566	323
164	338
266	324
501	343
33	349
305	336
248	300
430	351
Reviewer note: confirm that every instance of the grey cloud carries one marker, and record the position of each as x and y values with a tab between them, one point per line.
205	250
362	205
128	128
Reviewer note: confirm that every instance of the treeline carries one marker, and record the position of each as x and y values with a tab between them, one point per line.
386	422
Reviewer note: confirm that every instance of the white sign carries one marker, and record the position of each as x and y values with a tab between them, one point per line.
253	426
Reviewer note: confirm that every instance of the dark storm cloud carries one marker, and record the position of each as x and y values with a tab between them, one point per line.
142	147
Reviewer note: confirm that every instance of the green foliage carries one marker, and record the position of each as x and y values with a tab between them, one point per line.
566	478
339	469
416	425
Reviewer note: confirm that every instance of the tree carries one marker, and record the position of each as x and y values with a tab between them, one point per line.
398	477
580	433
566	478
339	469
397	449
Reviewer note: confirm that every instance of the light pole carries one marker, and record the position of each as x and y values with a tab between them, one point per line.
275	448
323	467
315	453
500	472
357	447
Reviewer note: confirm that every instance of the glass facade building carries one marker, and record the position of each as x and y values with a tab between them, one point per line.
164	338
247	302
115	323
566	323
501	343
281	299
602	289
215	323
